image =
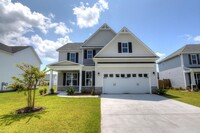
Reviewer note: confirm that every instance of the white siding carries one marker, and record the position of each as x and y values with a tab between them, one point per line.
101	38
137	48
175	75
8	62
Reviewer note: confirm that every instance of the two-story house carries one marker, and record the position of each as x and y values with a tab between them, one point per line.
182	67
12	55
108	62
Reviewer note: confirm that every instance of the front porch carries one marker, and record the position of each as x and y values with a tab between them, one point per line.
192	78
73	75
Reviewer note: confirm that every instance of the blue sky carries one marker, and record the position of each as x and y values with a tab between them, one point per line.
163	25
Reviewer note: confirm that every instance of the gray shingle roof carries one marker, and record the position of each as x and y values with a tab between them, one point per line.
12	49
71	46
189	48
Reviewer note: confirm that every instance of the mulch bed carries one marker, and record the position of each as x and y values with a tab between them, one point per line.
29	110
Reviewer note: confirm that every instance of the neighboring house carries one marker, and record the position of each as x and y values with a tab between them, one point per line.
108	62
47	77
182	67
12	55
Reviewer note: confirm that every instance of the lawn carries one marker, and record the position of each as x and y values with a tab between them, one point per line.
192	98
68	115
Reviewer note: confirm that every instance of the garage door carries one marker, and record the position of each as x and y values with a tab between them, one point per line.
126	83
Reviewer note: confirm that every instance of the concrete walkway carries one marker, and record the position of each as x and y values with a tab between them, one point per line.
145	113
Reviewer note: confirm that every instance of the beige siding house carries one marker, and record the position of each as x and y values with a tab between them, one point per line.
108	62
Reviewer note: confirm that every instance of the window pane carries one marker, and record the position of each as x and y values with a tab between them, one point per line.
146	75
68	82
140	75
75	82
111	75
117	75
133	75
122	75
128	75
89	54
105	75
88	82
75	76
73	57
88	74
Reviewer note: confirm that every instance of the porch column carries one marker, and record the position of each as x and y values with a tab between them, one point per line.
192	80
50	80
80	80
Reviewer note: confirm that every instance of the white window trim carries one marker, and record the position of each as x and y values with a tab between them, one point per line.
88	78
194	59
72	78
88	52
71	56
196	78
122	47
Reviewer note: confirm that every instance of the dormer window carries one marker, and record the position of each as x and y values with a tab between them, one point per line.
124	47
89	54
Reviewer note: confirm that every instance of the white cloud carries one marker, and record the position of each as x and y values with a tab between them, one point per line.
89	16
47	48
62	29
16	20
161	55
197	38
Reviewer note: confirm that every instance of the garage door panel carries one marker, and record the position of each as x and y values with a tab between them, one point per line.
126	85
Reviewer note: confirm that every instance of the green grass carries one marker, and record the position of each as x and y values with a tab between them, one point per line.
68	115
192	98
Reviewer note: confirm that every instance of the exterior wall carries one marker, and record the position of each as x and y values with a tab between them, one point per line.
169	64
9	61
102	70
187	63
90	62
138	49
175	75
101	38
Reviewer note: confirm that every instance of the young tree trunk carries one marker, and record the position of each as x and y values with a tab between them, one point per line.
35	85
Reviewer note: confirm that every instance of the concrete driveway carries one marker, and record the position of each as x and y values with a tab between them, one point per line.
145	113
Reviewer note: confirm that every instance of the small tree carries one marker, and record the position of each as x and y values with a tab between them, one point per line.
29	80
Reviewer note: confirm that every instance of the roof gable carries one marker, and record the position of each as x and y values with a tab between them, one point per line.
139	49
100	38
12	49
187	49
70	46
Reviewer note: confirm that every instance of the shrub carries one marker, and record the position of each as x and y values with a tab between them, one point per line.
45	90
93	92
84	91
41	91
51	91
70	91
161	91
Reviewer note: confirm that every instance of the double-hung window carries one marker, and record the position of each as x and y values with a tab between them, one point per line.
72	79
125	48
89	54
88	78
194	59
73	57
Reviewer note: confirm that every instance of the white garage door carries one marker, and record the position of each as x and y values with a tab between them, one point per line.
126	83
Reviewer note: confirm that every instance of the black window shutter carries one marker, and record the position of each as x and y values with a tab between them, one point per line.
198	59
76	57
94	53
85	54
83	78
68	56
64	78
119	47
189	56
93	78
130	47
